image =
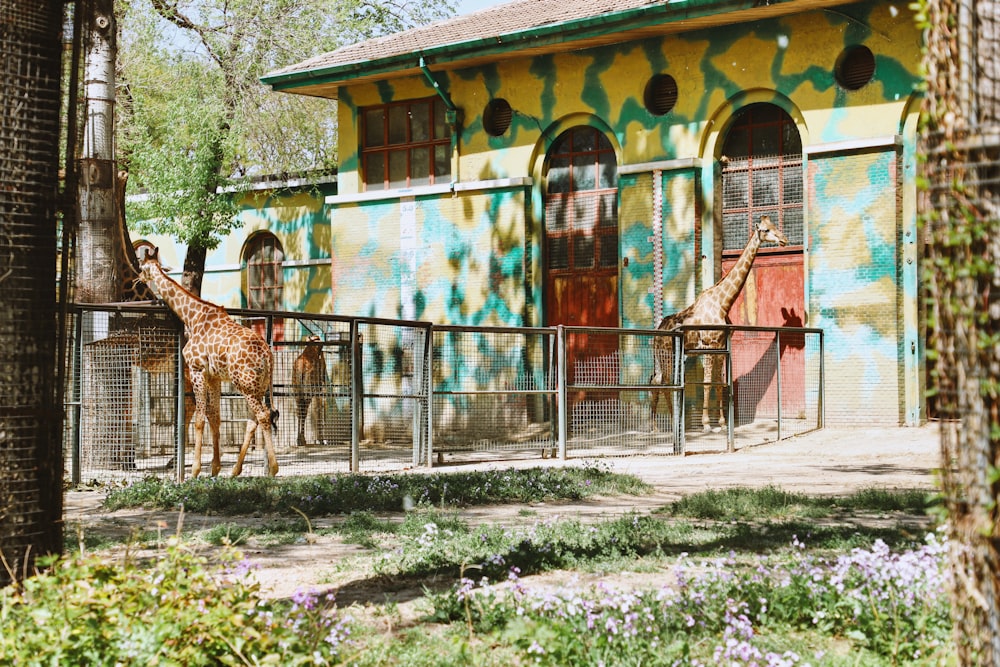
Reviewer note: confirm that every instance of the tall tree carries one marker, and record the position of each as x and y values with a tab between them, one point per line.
196	118
30	419
961	208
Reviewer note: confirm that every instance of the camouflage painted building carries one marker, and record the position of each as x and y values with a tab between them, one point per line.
601	162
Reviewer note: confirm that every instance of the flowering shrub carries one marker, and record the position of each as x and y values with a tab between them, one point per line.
177	610
892	604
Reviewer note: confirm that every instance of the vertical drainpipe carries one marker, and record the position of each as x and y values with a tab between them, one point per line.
453	116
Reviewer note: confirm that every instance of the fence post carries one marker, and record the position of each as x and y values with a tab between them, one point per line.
357	396
561	407
180	434
730	403
679	413
77	454
777	375
429	375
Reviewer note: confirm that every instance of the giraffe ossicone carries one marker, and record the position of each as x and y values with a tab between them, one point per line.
711	308
218	349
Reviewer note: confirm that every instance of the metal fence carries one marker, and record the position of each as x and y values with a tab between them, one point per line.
363	394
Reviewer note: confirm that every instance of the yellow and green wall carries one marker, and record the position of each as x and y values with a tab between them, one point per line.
469	251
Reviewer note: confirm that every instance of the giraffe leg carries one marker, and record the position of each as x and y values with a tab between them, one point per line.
263	415
302	408
213	399
198	385
708	361
721	363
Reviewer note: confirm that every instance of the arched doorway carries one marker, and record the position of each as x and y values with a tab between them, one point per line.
264	277
581	230
762	174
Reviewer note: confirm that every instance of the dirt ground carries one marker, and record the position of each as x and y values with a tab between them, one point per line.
827	462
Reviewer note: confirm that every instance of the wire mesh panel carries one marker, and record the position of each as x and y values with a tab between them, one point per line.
622	392
312	391
764	389
494	391
124	416
391	413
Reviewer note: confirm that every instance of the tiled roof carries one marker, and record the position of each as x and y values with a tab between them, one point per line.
505	19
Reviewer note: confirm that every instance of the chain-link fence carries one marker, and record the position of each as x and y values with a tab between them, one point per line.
362	394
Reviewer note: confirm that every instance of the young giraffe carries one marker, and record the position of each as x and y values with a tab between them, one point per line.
710	308
218	349
309	382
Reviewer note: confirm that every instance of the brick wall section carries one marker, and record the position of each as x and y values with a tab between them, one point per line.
854	284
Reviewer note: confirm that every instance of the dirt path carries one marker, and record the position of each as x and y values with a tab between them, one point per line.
828	462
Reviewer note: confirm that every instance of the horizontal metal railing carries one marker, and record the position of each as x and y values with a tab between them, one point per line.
394	394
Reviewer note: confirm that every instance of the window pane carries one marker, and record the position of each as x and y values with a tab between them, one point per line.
375	171
583	251
734	189
584	173
737	143
608	214
374	127
608	170
609	251
584	213
442	163
792	225
765	187
791	177
420	166
420	129
557	214
735	231
558	253
558	175
441	129
792	141
584	139
765	141
397	169
399	120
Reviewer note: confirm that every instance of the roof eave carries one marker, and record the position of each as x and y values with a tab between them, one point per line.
665	17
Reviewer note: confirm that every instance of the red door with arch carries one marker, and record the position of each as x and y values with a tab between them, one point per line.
762	175
581	238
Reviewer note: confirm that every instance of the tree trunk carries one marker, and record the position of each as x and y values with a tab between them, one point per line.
962	211
30	418
98	278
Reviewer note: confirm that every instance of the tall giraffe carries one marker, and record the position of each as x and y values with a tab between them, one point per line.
218	349
711	308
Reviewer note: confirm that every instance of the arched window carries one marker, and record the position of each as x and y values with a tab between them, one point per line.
761	175
264	272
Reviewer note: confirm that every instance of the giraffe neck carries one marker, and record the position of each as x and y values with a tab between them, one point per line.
188	307
730	286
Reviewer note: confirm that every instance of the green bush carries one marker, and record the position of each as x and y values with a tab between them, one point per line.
176	610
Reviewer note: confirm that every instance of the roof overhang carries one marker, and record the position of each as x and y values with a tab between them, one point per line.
649	21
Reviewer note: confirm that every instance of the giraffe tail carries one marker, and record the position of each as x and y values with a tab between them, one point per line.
274	419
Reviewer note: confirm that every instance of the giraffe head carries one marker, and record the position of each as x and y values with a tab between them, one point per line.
768	232
149	268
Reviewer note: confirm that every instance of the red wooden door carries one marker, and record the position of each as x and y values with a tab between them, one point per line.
762	175
581	236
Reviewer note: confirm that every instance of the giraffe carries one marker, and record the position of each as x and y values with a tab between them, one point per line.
710	308
309	381
218	349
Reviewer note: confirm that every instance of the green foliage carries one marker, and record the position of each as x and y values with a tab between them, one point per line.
193	117
890	606
176	610
744	503
336	494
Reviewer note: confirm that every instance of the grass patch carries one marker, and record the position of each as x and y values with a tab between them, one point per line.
771	502
337	494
